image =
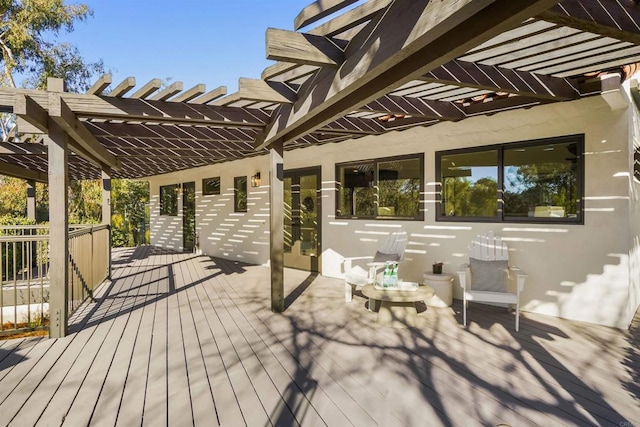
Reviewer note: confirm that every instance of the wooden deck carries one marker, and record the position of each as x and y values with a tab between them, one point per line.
178	339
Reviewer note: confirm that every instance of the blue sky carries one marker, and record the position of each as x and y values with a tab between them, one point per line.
194	41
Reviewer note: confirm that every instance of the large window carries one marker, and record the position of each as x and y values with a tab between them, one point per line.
528	181
381	188
169	199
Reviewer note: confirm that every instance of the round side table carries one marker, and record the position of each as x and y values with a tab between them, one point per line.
442	285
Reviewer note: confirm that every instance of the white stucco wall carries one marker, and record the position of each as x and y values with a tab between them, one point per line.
242	236
634	215
579	272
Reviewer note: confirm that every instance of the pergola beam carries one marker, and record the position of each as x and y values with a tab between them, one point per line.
499	79
125	86
210	96
257	91
502	104
12	148
15	171
146	90
190	94
31	112
167	92
138	110
617	19
304	49
350	19
318	10
416	107
100	85
67	120
412	38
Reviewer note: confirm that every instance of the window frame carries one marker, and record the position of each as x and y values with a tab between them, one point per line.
236	180
376	161
500	217
204	186
174	188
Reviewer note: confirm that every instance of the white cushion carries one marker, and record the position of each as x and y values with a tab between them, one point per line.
357	276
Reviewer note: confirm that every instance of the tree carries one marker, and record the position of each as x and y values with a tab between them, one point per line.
27	51
13	198
85	202
129	200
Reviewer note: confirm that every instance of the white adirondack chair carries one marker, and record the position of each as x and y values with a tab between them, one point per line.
356	276
484	278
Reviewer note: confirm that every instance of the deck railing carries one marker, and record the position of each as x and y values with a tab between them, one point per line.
88	263
24	272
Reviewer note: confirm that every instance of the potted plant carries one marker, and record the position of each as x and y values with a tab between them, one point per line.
437	267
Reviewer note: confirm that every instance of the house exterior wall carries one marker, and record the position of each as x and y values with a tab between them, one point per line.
634	214
580	272
242	236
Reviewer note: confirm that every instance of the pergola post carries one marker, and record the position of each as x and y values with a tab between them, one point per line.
58	231
276	206
31	199
106	207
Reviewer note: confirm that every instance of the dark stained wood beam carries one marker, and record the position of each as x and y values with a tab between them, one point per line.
416	107
407	122
503	104
410	39
500	79
304	49
318	10
354	126
21	148
15	171
618	19
87	143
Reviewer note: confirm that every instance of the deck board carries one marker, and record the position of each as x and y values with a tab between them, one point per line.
179	339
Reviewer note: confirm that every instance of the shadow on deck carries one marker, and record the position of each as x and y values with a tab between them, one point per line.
179	339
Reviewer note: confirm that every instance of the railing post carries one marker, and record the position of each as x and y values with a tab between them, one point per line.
31	200
106	209
91	274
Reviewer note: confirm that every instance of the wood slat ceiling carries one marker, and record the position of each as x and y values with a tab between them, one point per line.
553	57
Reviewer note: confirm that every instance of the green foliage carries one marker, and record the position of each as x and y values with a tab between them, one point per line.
13	196
473	199
541	184
129	199
8	219
28	49
11	251
129	206
85	202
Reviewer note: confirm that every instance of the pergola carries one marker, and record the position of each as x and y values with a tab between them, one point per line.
379	67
